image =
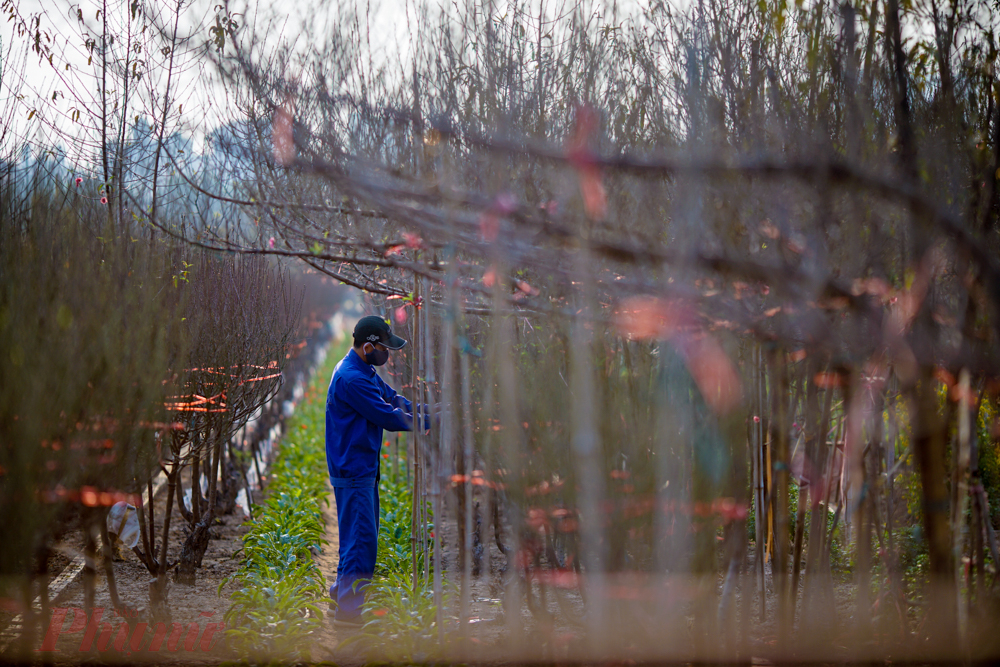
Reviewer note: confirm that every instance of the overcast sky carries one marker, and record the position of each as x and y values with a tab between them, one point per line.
274	19
389	23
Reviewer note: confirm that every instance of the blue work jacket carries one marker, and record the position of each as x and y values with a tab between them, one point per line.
359	405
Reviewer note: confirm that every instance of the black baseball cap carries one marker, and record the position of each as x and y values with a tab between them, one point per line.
373	329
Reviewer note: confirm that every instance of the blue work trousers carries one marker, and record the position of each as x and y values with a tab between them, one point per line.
358	523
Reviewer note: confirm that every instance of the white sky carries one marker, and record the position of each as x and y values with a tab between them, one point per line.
389	23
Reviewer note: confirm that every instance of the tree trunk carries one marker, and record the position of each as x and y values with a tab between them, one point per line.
158	588
109	564
930	443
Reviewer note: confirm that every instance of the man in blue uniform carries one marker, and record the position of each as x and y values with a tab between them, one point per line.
359	405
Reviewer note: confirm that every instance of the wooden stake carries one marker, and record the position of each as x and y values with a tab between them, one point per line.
467	467
415	440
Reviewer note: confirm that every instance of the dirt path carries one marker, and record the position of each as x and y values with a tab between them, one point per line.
194	634
328	638
190	639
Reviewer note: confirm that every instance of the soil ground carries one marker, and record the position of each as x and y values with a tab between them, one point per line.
194	608
554	631
552	634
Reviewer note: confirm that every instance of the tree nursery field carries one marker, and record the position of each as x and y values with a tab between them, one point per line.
702	300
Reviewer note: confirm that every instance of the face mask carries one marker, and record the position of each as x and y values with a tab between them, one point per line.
377	357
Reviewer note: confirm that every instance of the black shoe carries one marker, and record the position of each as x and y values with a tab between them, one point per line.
352	623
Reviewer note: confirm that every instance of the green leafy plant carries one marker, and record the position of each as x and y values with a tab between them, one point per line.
394	538
400	622
281	594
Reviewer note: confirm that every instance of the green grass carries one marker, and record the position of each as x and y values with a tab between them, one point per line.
399	620
282	593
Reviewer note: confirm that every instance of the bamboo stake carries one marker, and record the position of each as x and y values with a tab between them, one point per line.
828	539
747	577
893	561
415	440
467	476
780	494
427	373
487	413
662	519
805	486
421	456
443	453
816	573
960	497
856	457
978	546
746	601
760	504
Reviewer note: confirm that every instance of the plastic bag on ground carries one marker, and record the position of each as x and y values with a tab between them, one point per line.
124	524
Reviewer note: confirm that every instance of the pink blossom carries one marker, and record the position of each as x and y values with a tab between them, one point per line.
645	317
413	241
490	277
394	250
282	134
595	200
526	288
489	225
78	181
270	243
104	200
489	221
401	315
506	203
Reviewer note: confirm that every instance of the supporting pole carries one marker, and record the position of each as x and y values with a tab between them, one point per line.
467	467
760	477
443	453
960	497
415	440
427	372
779	494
